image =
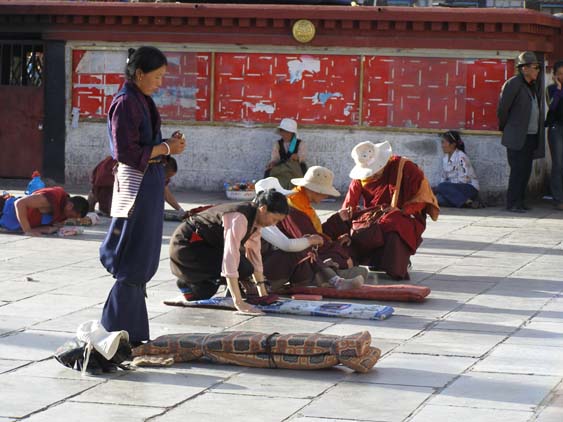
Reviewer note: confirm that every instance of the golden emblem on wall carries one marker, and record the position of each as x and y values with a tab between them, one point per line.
303	30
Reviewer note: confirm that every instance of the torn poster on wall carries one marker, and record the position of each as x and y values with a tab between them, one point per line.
404	92
264	88
98	75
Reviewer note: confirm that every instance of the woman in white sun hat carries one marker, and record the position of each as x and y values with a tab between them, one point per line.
302	220
288	155
285	260
375	176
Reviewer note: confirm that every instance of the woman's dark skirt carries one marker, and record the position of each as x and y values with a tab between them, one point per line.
131	253
197	264
454	194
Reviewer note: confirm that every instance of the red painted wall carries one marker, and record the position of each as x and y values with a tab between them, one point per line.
433	92
310	88
184	95
406	92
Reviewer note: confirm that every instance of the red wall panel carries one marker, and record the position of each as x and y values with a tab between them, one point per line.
265	88
184	95
409	92
432	92
484	81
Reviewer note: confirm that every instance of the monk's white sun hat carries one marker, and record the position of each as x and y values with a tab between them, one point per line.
369	158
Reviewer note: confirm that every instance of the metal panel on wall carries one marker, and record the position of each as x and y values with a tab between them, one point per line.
439	93
98	75
400	92
265	88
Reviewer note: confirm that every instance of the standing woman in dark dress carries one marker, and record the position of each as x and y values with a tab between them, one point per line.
131	249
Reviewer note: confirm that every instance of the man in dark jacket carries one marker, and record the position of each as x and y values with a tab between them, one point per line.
520	115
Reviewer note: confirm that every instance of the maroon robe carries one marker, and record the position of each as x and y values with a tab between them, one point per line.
297	224
102	183
402	229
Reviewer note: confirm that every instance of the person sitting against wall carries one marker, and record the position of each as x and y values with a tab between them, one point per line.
205	249
399	189
458	186
286	260
102	178
288	155
41	212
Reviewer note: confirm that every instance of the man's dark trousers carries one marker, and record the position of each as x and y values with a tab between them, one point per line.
520	163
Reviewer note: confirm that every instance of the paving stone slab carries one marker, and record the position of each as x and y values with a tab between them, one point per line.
201	317
31	344
89	412
452	343
48	306
474	318
415	370
9	324
50	368
368	402
539	333
524	359
213	407
553	412
70	322
496	391
98	287
285	324
11	364
149	387
24	395
300	418
11	291
282	383
394	328
456	413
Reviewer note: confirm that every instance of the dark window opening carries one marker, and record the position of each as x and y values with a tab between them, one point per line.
21	64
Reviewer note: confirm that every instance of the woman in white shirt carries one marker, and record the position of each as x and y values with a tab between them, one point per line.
458	185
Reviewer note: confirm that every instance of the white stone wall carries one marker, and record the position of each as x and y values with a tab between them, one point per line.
216	154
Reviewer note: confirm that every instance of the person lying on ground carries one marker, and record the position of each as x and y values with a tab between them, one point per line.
41	212
205	249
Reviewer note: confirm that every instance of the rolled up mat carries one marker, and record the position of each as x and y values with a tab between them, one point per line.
391	292
261	350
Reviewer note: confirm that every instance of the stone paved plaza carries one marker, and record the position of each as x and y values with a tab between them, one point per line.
487	345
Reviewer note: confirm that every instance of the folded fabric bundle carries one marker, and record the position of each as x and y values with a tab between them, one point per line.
390	292
261	350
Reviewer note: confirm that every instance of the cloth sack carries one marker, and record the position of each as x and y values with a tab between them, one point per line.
95	350
365	232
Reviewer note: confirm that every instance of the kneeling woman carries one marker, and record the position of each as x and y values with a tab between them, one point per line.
207	246
458	185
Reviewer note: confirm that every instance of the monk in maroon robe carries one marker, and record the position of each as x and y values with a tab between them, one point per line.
375	178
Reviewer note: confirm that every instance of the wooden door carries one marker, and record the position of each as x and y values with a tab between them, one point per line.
21	108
